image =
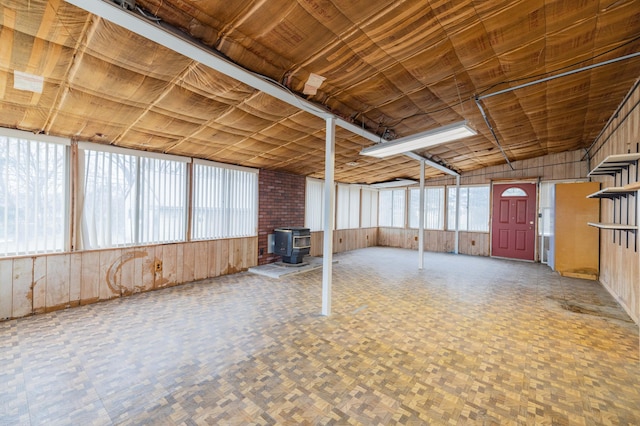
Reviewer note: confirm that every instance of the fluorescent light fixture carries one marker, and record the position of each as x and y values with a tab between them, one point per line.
426	139
395	183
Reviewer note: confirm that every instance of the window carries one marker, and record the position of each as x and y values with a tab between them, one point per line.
163	200
33	195
314	205
130	199
224	201
545	219
514	192
474	208
348	207
391	207
125	197
110	199
356	206
369	208
433	208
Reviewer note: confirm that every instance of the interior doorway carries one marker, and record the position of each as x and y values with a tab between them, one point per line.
513	224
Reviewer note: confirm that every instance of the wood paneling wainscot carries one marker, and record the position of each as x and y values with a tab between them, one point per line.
38	284
473	243
345	240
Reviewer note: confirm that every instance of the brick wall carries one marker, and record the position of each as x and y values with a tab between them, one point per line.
280	203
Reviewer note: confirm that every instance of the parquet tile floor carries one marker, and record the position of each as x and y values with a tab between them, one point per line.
468	340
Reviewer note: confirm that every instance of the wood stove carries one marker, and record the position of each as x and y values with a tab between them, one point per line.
292	243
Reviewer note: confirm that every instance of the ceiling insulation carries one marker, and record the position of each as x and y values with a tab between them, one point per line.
392	68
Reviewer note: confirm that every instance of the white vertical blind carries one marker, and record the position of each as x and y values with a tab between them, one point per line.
392	207
433	207
348	207
110	194
314	204
385	205
130	199
224	202
163	200
343	200
354	206
127	198
474	208
545	223
545	219
399	205
33	196
369	208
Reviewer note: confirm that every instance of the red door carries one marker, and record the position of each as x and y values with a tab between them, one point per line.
513	229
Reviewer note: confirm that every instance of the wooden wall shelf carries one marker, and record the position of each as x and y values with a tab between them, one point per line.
614	164
632	186
614	226
620	166
612	192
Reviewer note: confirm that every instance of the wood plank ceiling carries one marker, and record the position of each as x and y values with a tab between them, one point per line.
394	68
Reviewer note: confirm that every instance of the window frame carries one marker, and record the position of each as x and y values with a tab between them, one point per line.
393	214
441	213
139	223
314	193
369	217
226	194
62	175
451	227
348	206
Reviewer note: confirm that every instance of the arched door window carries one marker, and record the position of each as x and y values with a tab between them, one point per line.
513	192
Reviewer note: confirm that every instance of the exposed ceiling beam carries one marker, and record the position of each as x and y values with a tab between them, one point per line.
542	80
486	120
431	163
154	32
564	74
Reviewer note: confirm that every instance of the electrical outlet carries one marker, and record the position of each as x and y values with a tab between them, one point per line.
158	265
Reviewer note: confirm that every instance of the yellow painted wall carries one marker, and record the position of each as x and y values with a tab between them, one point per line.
576	243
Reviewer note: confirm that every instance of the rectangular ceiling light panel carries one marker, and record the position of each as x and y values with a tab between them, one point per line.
422	140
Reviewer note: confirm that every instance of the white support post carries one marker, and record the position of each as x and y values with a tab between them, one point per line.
329	201
421	219
457	214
